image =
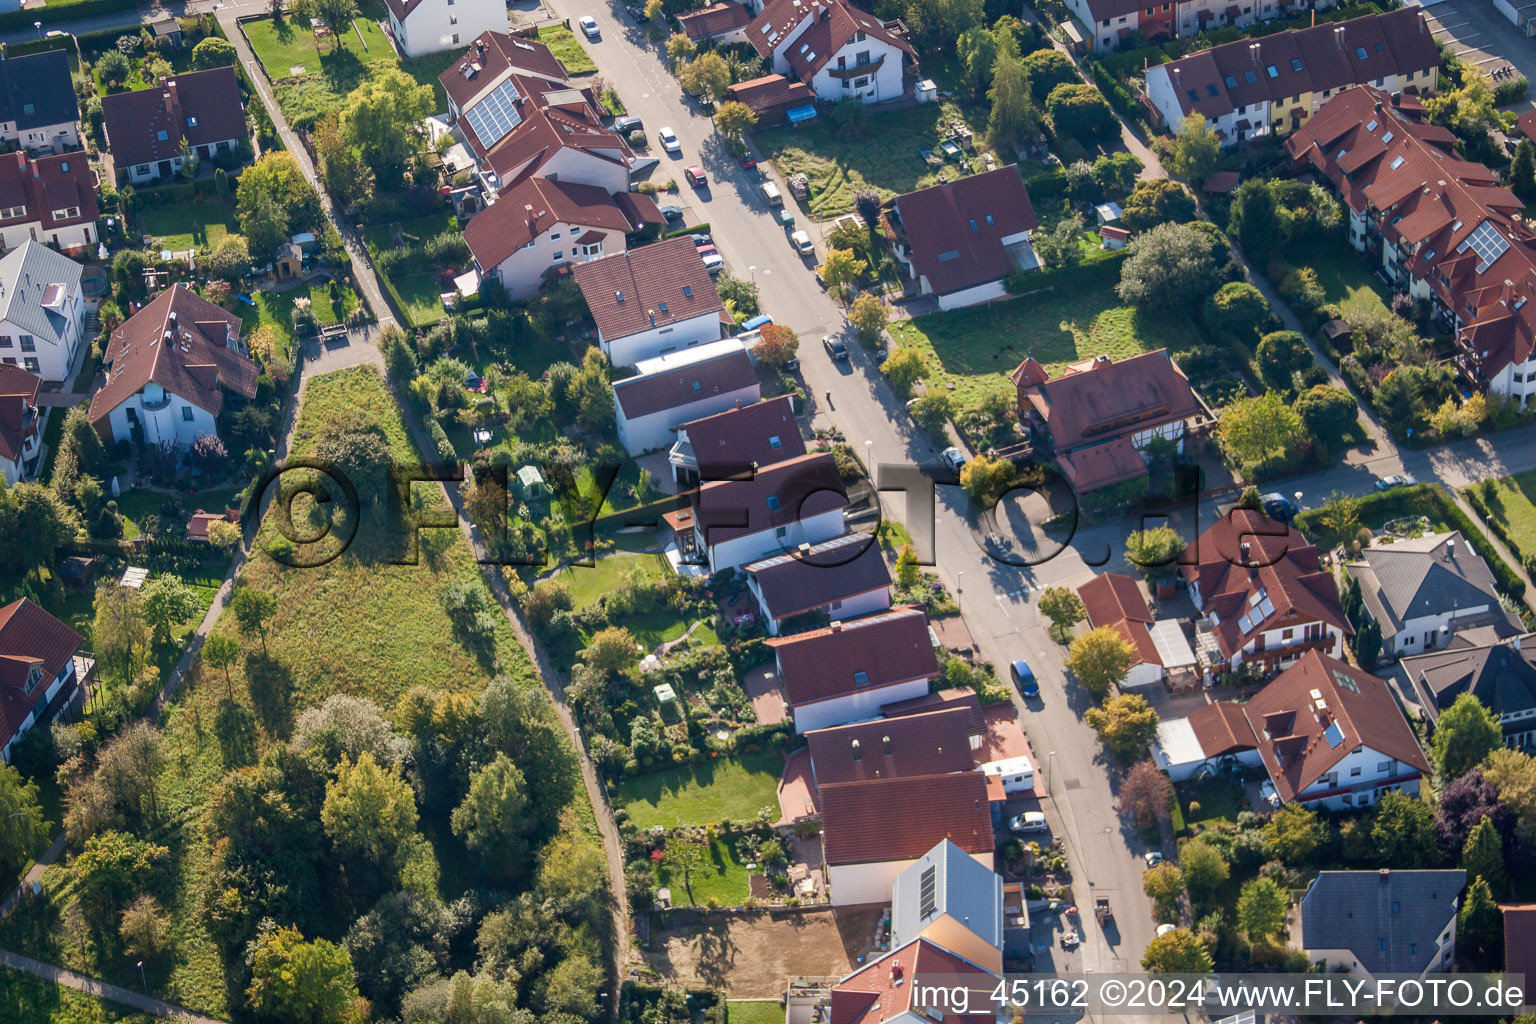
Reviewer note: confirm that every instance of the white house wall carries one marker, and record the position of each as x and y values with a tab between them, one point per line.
1374	769
647	344
752	547
855	707
854	884
522	273
970	296
1143	673
439	25
659	429
848	608
54	359
168	423
1411	638
885	83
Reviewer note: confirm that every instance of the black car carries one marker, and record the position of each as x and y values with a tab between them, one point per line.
627	124
637	12
835	346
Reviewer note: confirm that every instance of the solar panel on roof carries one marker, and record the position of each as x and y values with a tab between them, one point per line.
495	115
928	900
1334	735
1489	245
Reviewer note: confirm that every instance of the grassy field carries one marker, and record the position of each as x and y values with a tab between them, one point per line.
754	1011
426	69
309	81
720	881
358	625
276	308
420	294
730	787
587	584
976	348
1514	505
189	225
885	159
562	42
28	1000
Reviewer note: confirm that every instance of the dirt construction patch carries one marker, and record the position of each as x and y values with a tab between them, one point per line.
751	956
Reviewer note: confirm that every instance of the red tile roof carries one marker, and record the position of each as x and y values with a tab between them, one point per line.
901	819
1278	581
200	106
1290	728
833	570
955	231
835	25
197	525
760	435
1222	728
771	92
492	55
1099	399
29	636
62	182
1115	600
714	20
195	363
1520	942
884	988
850	657
785	492
527	210
680	386
651	286
930	743
18	409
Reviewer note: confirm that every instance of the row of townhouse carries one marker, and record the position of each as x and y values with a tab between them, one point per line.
1110	24
1443	228
1271	86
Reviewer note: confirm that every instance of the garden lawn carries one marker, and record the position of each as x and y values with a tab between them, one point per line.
1513	504
28	1000
1219	801
327	76
589	583
137	503
754	1011
1375	511
975	349
697	794
420	298
276	308
720	881
183	226
1344	273
426	69
885	159
562	42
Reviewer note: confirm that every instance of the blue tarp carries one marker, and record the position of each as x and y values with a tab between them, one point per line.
799	114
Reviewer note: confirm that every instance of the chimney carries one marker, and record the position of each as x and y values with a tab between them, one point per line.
1338	35
805	548
826	14
837	627
1243	552
1253	52
1384	874
1515	643
1450	549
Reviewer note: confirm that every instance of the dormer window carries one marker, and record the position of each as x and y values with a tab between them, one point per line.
34	676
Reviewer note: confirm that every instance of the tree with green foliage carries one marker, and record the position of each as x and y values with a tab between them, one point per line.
707	76
1253	430
733	121
868	316
1165	885
300	982
1168	267
905	366
1238	307
382	119
252	610
167	602
1195	152
1522	172
1205	868
679	48
111	869
1330	414
1465	734
685	852
1251	500
908	569
1403	833
841	269
1367	643
221	652
1261	908
213	52
1159	201
1080	112
369	812
113	67
492	820
1154	552
1061	246
1126	723
1293	834
1047	69
1064	608
1176	952
1479	924
118	630
274	200
612	651
144	928
976	49
1255	220
1281	355
932	409
25	829
1013	103
1483	855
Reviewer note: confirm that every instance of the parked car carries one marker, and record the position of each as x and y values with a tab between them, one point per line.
802	243
626	124
696	176
588	26
761	320
669	141
746	161
955	459
835	347
637	12
1396	480
671	212
701	238
1153	858
1024	677
771	193
713	261
1268	795
1029	821
1278	506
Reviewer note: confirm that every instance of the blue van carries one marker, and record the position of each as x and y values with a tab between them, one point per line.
758	321
1028	685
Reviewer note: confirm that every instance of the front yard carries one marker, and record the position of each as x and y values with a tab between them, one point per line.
886	159
700	794
195	225
562	42
975	349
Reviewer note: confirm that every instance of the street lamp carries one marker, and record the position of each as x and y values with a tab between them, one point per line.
39	26
1298	499
142	980
752	271
869	459
959	581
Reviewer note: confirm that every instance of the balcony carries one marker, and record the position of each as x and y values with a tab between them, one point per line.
857	70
